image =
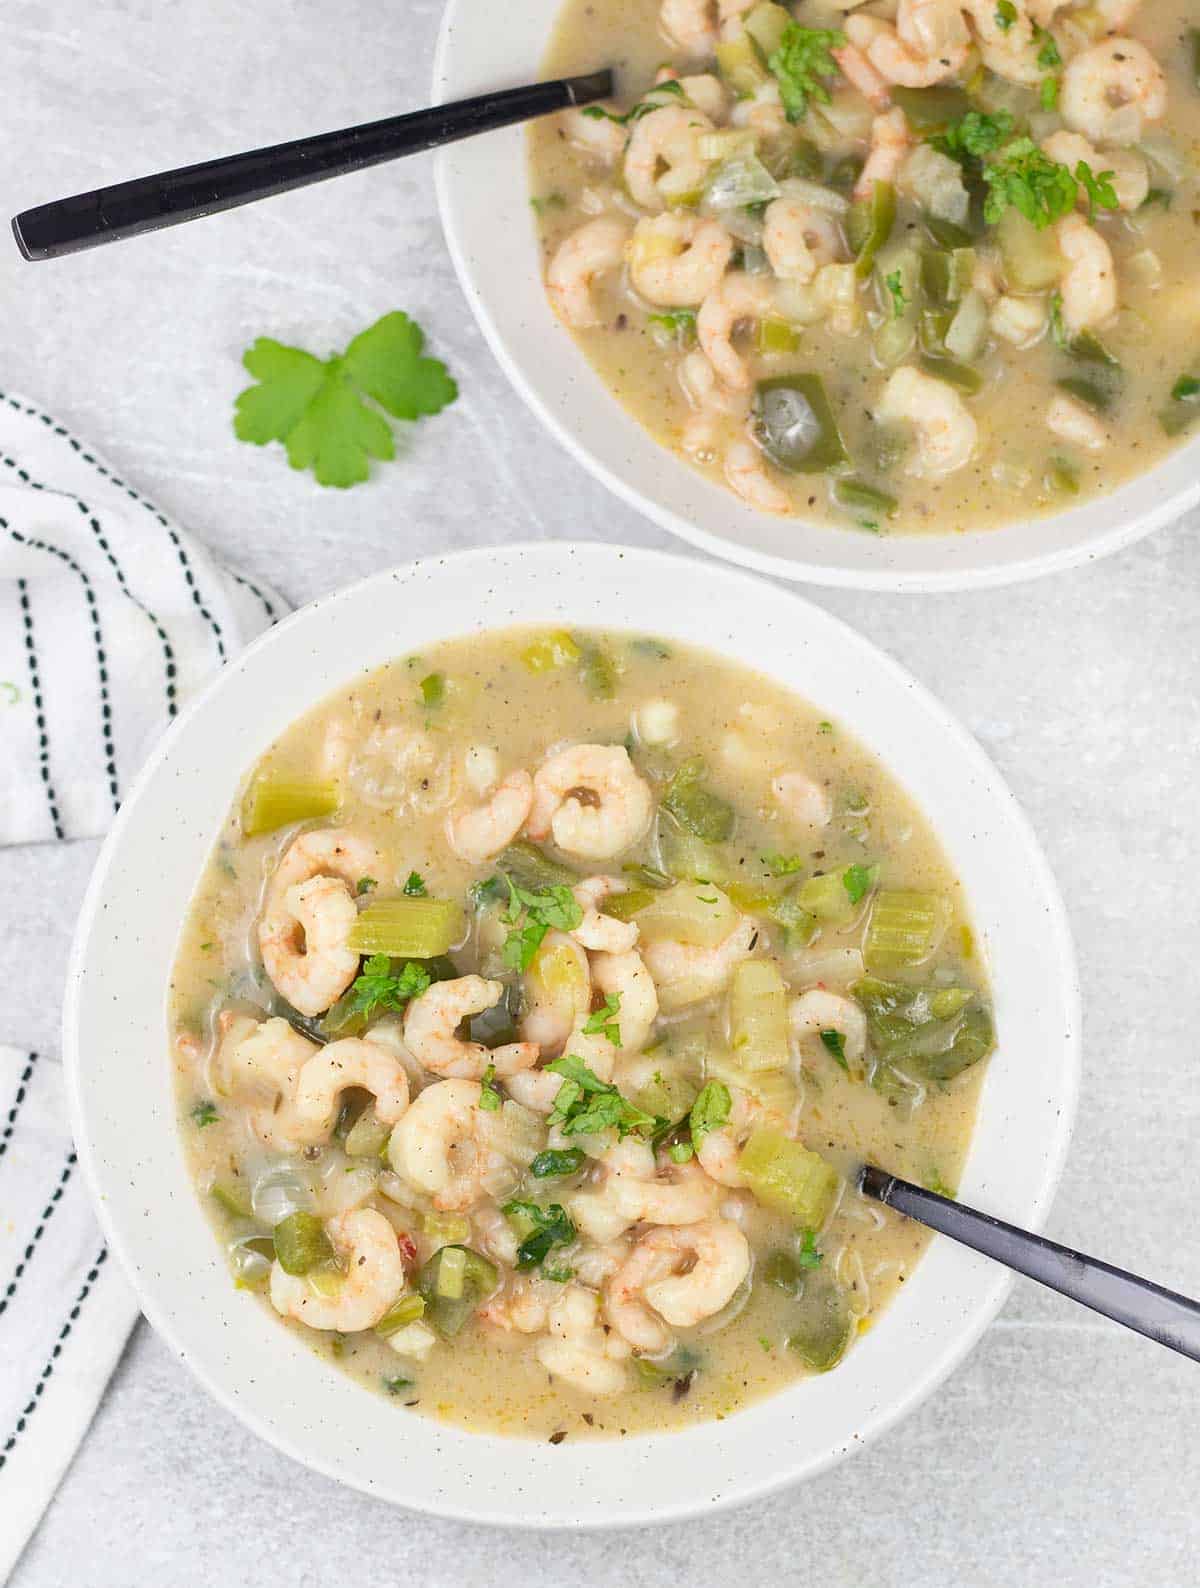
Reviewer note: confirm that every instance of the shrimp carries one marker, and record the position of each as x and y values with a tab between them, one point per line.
597	246
307	915
1111	90
669	136
890	141
860	74
746	471
817	1010
929	42
525	1307
590	798
577	1349
802	800
706	92
558	993
681	1275
1008	43
719	1149
697	26
762	113
675	260
479	834
1129	172
738	297
598	932
946	432
431	1022
685	974
443	1145
645	1193
598	136
351	1062
1088	288
373	1268
1019	320
261	1061
799	237
1072	422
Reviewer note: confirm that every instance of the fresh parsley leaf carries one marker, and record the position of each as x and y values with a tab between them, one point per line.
681	1152
395	1385
710	1110
808	1256
414	887
557	1161
205	1113
1025	179
375	987
316	406
489	1097
1048	93
835	1043
800	65
531	914
548	1227
858	881
586	1105
784	865
895	285
603	1022
1006	14
1099	189
1058	327
365	884
652	101
548	201
1049	54
1186	389
974	135
433	690
560	1276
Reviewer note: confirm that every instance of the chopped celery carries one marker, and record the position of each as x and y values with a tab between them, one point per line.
777	336
1194	56
530	868
695	807
1087	347
272	802
597	670
775	1089
795	424
648	876
798	924
741	66
1061	477
696	913
1094	394
433	690
231	1199
687	857
368	1136
624	906
1032	262
758	1022
930	110
835	895
412	928
945	233
669	1095
301	1244
445	1229
555	649
905	928
408	1309
723	145
861	497
946	273
821	1327
966	335
869	225
766	24
740	181
935	1032
452	1283
952	371
785	1176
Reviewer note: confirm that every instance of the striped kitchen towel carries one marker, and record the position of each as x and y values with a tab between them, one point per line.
111	616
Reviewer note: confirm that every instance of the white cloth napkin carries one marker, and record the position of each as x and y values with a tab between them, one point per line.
111	617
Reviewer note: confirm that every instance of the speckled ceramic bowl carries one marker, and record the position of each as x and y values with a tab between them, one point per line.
483	194
115	1041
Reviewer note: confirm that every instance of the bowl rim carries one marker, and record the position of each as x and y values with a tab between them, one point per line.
1133	526
961	746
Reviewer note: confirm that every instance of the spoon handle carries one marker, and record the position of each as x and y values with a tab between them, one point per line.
147	203
1161	1315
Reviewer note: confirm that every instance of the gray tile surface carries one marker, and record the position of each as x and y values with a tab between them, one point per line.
1062	1451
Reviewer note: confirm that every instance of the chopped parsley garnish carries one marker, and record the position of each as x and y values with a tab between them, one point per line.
835	1043
365	884
205	1113
1049	54
555	1162
808	1256
1049	93
668	326
531	914
824	727
710	1110
560	1276
489	1097
414	887
858	881
375	987
975	135
681	1152
586	1105
800	65
895	285
395	1385
603	1022
784	865
642	108
1025	179
1099	189
317	407
1006	14
1186	389
544	1227
433	689
548	201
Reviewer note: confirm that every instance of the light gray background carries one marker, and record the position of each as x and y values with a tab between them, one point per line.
1064	1450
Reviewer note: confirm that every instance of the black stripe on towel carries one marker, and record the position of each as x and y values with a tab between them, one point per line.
39	712
48	1211
10	1124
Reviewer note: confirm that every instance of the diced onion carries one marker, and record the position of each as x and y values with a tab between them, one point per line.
1145	267
821	198
738	182
278	1190
1161	151
968	330
935	181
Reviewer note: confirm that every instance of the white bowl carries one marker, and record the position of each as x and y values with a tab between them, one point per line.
119	1074
483	193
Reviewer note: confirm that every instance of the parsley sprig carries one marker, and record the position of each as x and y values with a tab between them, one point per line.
1025	179
548	1227
376	987
974	135
586	1105
801	64
317	407
531	914
603	1021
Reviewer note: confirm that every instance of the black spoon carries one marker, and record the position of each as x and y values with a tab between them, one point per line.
148	203
1159	1314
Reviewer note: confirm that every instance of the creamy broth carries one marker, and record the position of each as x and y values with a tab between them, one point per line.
819	870
1024	444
